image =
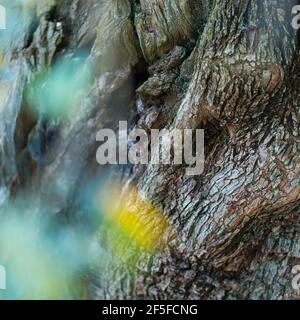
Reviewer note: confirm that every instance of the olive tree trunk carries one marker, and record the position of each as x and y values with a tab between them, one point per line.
230	67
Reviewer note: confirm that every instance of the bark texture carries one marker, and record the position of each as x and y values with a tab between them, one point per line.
231	67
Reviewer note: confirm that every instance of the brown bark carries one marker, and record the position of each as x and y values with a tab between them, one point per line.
243	90
230	67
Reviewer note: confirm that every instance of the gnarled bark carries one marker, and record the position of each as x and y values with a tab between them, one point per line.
230	67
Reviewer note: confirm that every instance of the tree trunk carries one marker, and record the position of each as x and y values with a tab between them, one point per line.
230	67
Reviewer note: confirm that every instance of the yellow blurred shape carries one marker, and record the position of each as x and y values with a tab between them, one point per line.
138	219
1	61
